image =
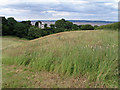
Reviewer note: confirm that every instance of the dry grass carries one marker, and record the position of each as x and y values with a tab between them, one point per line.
8	41
24	77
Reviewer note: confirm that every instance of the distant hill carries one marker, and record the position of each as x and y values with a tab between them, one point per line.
77	21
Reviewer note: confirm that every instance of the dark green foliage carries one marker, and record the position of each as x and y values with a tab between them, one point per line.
60	23
4	21
5	30
21	29
45	25
11	27
11	23
96	26
52	26
63	20
59	30
27	22
48	30
75	27
87	27
68	25
63	25
79	26
8	26
34	32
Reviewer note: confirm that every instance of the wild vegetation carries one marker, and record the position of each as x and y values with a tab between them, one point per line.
92	55
77	56
113	26
24	29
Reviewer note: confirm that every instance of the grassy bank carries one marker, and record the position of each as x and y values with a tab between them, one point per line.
92	54
113	26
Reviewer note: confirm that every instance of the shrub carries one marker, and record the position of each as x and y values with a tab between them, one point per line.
96	26
34	32
75	27
87	27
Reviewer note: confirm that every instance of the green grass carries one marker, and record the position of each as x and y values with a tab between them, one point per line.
88	53
16	77
113	26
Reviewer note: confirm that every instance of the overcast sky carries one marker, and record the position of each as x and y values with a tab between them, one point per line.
57	9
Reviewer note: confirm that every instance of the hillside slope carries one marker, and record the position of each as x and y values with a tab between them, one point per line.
77	53
113	26
9	41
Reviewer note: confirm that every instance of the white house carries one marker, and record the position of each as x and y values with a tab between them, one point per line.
40	24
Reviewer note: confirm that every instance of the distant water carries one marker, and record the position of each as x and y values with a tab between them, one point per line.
78	22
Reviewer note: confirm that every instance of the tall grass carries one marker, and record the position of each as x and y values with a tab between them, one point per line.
90	53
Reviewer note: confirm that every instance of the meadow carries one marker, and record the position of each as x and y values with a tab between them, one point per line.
81	59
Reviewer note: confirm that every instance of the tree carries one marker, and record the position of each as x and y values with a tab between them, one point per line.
21	29
5	27
60	23
47	30
27	22
11	23
34	32
96	26
63	19
87	27
68	25
75	27
79	26
45	25
56	30
52	26
5	30
4	21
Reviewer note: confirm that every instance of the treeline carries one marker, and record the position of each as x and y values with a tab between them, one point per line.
113	26
24	29
11	27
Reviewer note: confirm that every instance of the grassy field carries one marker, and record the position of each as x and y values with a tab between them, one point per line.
68	59
9	41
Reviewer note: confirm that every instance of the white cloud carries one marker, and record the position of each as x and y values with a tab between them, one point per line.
55	9
7	2
75	1
115	12
61	14
114	5
89	14
10	11
108	3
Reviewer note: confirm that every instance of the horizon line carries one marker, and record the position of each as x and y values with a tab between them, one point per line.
68	20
